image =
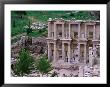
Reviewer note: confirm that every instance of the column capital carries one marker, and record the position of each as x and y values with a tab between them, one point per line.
85	43
69	43
54	42
48	42
63	23
49	22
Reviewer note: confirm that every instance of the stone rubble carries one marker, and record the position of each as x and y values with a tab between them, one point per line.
37	25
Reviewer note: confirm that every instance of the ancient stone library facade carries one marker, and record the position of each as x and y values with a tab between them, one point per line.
73	41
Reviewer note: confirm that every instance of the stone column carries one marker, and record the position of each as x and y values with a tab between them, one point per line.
69	52
54	30
49	55
85	31
79	30
94	32
63	51
79	51
55	51
63	31
69	30
85	53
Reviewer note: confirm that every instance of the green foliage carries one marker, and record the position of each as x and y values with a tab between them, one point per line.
17	26
20	12
29	30
38	33
43	65
24	63
18	20
21	18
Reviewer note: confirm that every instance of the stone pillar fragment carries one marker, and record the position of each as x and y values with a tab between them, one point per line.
81	71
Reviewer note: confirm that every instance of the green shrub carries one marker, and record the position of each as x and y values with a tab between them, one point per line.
24	63
43	65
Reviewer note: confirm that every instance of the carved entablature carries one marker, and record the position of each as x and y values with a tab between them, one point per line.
89	22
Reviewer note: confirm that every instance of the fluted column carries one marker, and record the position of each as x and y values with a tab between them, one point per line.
55	55
69	52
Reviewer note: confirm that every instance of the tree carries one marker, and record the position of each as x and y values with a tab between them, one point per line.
28	40
20	12
29	29
43	65
24	63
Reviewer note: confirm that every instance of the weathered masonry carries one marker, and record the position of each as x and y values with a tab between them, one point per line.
72	40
